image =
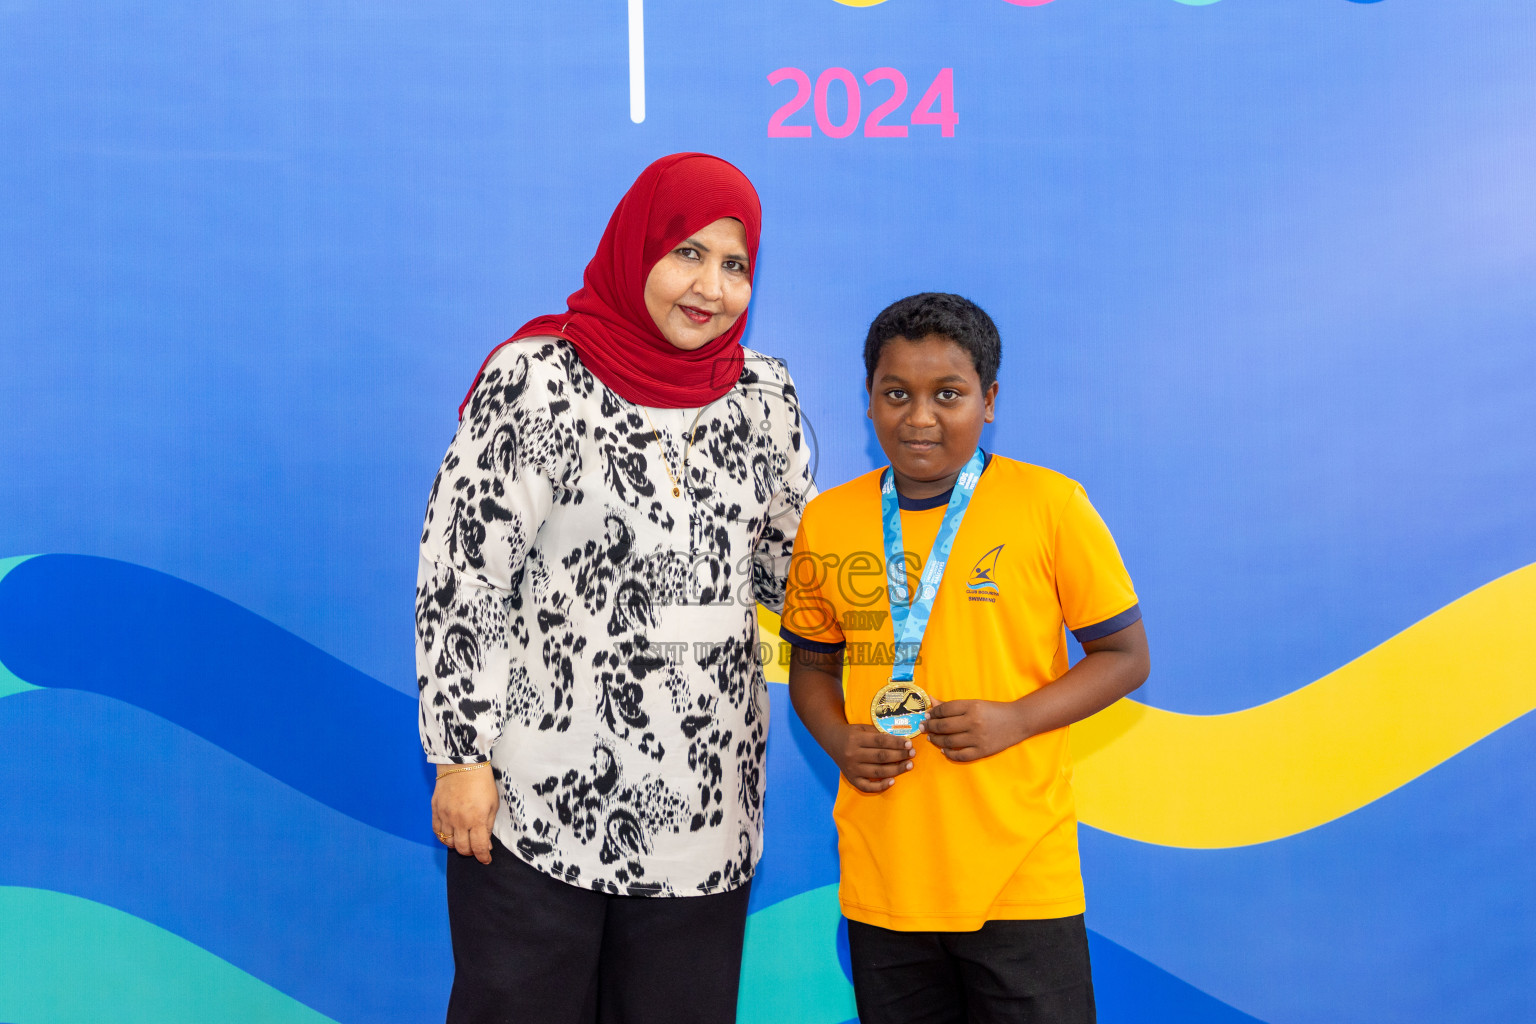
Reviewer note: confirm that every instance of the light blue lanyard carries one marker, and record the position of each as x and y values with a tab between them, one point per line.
909	624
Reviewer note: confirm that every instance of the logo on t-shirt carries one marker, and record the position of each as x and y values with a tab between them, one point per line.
982	586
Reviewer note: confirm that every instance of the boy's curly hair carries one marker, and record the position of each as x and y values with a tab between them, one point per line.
952	316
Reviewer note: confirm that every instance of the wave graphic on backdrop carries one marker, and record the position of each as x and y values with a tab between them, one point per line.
145	817
199	860
81	961
232	677
1322	751
1319	752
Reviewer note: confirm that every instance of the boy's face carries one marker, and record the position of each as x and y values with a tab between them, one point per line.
928	407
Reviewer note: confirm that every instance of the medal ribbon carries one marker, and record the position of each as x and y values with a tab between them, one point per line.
910	623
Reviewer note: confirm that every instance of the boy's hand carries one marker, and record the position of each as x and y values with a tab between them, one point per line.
968	730
871	759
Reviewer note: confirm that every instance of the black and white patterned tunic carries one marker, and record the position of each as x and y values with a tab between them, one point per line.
594	635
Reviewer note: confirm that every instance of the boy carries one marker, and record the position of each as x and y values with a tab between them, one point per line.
960	876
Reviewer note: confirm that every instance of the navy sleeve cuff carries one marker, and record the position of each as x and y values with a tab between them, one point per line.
1108	626
814	646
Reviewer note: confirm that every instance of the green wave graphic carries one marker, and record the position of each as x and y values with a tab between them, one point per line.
10	682
68	960
790	970
7	564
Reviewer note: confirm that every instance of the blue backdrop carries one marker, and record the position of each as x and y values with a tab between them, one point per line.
1266	276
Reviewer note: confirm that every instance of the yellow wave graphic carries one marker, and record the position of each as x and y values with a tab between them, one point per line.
1320	752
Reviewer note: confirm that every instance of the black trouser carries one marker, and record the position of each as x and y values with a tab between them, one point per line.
1008	972
528	949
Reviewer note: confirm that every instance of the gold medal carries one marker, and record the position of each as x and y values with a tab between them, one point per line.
900	709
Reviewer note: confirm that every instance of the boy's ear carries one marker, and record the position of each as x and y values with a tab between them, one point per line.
869	403
990	399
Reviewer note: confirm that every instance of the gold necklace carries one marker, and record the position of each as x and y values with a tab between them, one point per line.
676	490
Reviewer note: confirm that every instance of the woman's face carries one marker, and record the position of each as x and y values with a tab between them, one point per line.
698	289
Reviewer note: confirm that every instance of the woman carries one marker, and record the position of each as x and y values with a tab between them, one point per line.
625	484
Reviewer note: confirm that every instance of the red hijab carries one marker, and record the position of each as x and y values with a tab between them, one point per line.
607	320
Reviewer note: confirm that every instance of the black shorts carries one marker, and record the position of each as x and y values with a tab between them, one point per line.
528	949
1018	972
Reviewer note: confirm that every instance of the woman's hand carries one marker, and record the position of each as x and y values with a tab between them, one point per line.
463	809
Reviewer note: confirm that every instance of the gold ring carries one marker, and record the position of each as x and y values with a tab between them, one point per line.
447	839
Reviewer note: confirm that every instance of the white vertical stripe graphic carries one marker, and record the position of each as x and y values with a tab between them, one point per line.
637	60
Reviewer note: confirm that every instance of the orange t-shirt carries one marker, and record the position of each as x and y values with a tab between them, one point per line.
951	846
